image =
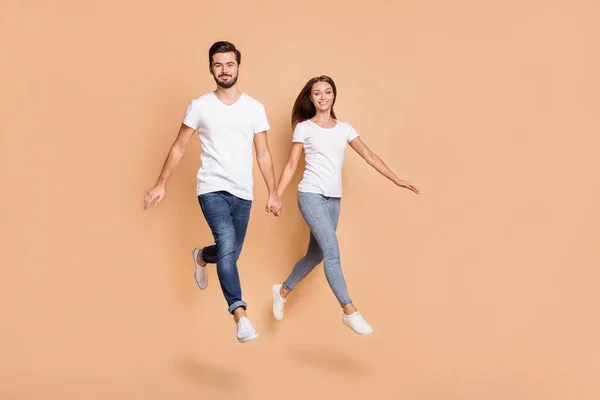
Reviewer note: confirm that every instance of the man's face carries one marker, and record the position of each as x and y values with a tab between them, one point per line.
224	69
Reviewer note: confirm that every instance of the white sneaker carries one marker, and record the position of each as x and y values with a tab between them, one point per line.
278	302
245	331
200	273
357	323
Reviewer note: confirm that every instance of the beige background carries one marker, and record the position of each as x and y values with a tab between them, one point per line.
482	287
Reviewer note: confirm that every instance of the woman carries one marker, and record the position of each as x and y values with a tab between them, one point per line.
323	139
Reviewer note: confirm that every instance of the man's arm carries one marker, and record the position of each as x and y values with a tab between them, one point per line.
157	192
265	163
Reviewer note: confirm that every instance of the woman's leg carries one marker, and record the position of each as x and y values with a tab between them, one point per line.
321	214
304	266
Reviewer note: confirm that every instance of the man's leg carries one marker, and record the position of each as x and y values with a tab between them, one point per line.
227	225
203	256
216	208
208	255
241	215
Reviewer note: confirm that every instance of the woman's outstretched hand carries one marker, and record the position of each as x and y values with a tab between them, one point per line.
406	185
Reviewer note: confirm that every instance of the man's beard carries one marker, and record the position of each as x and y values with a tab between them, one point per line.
228	84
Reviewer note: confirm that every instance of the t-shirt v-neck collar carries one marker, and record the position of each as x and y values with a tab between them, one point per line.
228	106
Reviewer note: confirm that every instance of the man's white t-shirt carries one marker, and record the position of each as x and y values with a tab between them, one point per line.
325	149
226	135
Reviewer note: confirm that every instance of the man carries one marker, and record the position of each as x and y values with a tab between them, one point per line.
228	122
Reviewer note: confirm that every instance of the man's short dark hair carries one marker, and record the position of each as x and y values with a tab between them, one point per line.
223	47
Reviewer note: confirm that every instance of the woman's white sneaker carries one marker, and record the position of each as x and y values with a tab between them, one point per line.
357	323
200	272
278	302
245	331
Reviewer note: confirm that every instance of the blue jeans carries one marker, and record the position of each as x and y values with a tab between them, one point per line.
321	214
227	216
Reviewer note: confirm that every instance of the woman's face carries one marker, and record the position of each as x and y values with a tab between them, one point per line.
322	96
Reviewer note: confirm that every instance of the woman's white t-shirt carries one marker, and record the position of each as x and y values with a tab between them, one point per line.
324	150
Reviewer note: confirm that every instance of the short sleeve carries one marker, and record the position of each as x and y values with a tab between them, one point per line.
261	123
190	118
351	134
298	135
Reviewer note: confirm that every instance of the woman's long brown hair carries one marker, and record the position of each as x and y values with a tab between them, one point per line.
304	108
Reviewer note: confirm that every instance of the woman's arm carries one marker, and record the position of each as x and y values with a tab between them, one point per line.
374	161
290	168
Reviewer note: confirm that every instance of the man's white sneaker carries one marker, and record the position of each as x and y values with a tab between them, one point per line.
357	323
200	273
278	302
245	331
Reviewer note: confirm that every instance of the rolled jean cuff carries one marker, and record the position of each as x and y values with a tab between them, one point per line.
344	302
236	305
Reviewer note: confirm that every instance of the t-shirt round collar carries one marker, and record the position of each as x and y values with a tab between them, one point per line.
327	129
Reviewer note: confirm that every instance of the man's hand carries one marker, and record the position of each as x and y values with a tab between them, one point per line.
155	194
175	153
274	204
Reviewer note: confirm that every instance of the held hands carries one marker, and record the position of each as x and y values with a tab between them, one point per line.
406	185
274	204
155	194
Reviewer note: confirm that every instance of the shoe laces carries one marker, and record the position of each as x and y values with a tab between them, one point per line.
245	325
357	318
280	307
281	300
